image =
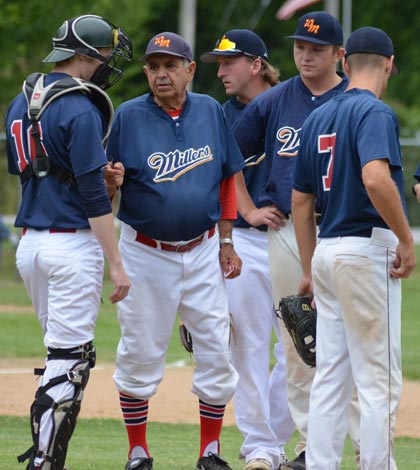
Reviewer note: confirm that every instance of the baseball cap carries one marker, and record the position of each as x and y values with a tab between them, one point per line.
370	40
237	42
168	43
319	27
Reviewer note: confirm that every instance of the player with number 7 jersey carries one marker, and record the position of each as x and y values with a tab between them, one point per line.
346	208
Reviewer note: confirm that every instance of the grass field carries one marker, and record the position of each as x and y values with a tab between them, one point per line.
100	444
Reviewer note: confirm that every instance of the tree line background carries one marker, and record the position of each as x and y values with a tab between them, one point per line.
26	29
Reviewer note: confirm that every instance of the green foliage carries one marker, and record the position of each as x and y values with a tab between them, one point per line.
102	443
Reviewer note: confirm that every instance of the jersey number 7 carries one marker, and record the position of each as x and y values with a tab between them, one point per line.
326	144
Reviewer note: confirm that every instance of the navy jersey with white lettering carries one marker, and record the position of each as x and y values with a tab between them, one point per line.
173	168
72	129
257	165
337	140
272	123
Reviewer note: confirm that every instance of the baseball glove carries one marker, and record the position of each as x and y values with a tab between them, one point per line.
300	321
185	336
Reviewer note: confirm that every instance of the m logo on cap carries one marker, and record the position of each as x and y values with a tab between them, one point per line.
162	42
311	26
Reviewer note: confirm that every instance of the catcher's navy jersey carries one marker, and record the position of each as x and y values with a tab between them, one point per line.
257	166
337	140
173	168
72	129
272	122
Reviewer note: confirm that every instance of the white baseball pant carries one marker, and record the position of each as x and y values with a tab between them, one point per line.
163	284
260	400
358	342
62	273
286	274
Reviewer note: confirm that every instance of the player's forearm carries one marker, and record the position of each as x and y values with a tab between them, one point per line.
244	200
386	199
303	211
104	231
225	228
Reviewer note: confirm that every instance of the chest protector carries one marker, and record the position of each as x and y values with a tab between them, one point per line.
38	97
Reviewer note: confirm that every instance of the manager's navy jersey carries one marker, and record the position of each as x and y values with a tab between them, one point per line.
173	168
337	140
72	129
257	167
272	122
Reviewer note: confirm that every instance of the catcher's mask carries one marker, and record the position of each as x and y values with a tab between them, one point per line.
85	35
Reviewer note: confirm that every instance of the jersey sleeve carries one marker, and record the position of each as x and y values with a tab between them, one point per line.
227	197
249	129
301	181
417	173
377	138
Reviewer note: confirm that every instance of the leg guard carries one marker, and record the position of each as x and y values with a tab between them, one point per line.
64	415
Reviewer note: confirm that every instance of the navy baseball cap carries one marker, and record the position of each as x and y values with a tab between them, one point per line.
237	42
319	27
168	43
370	40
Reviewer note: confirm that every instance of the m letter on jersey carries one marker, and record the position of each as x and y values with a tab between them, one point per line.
172	165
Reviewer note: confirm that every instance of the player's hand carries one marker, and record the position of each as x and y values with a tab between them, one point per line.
306	287
268	215
114	176
120	282
405	261
229	261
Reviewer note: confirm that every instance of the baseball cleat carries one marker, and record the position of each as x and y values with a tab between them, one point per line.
258	464
212	462
139	463
297	464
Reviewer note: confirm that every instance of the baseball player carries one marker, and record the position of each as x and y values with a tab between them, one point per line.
66	217
260	399
416	186
350	161
272	122
179	158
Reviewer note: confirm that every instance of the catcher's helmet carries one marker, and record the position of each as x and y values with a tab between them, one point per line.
84	35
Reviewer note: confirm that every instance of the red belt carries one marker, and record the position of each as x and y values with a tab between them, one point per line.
181	248
55	230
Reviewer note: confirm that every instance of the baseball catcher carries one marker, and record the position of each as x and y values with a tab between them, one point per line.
299	317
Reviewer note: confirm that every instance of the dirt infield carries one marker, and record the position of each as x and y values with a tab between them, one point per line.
173	403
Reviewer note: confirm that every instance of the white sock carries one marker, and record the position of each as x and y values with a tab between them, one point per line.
138	451
212	447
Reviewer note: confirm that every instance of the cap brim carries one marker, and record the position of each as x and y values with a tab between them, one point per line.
145	56
57	55
209	57
313	40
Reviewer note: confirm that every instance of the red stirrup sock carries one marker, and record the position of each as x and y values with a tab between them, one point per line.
135	418
211	420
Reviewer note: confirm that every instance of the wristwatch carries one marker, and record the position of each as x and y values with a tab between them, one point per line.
226	241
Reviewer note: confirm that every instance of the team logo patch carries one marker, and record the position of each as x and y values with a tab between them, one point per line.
290	141
311	26
170	166
161	41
